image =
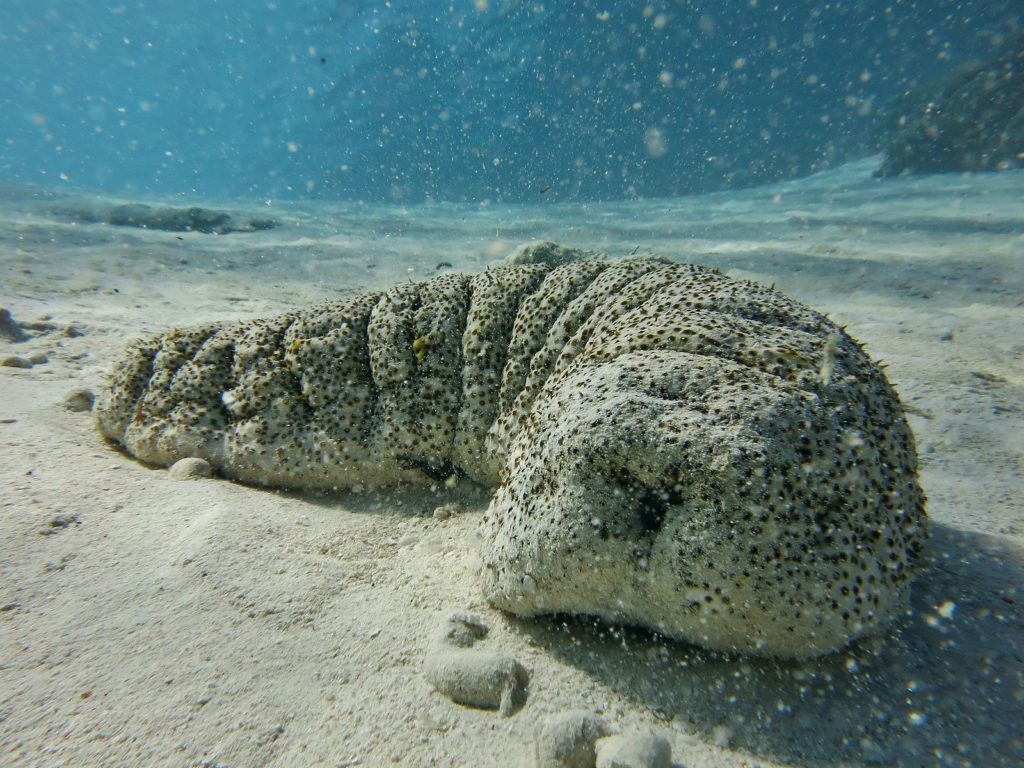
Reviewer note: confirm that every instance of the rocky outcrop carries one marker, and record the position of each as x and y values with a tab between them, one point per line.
191	219
974	121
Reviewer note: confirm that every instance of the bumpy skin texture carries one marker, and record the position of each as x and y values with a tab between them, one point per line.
671	447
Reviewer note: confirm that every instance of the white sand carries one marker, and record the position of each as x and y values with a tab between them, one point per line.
150	621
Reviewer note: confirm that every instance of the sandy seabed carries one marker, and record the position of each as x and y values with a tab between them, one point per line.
147	621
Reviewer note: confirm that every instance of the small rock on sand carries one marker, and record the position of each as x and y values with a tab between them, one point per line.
445	511
78	400
475	678
190	469
634	750
546	252
9	329
58	523
568	739
15	361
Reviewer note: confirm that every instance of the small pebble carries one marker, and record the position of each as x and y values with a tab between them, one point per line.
190	469
14	361
568	739
461	630
474	678
79	400
721	736
634	750
58	523
446	511
408	539
42	324
38	358
9	329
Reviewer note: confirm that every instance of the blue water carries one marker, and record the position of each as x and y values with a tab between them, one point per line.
397	140
491	100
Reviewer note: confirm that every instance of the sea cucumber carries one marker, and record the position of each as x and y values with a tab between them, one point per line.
670	447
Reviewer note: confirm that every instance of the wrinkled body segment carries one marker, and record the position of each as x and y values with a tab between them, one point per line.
670	447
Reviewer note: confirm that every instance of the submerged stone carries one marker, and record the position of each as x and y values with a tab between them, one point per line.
170	219
972	120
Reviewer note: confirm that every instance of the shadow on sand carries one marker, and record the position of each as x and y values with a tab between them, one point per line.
947	688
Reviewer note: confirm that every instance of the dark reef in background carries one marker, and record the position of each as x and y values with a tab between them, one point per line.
209	221
971	121
603	101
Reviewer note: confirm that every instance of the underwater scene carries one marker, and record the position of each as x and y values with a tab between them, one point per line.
512	383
